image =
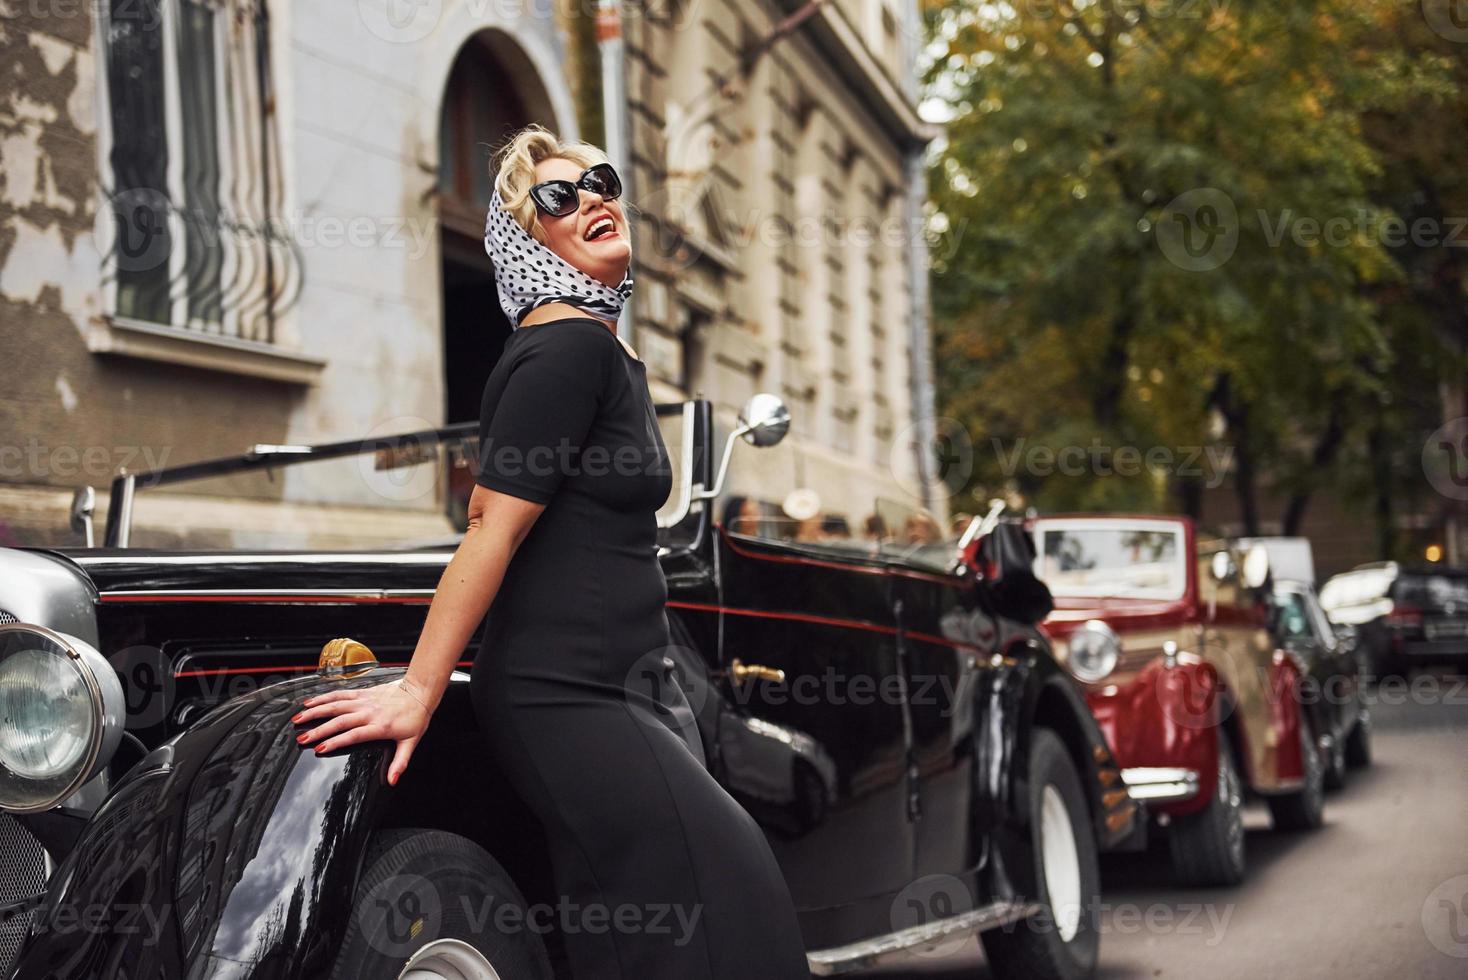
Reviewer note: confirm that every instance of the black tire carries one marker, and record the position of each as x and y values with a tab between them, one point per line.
1208	846
1358	743
422	886
1037	948
1305	808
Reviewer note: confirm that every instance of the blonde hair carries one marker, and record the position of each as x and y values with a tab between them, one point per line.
515	163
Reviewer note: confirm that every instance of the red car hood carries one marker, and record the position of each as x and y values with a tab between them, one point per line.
1119	613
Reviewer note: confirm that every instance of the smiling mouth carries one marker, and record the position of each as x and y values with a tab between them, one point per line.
601	228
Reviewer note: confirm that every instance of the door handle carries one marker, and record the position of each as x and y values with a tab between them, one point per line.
743	672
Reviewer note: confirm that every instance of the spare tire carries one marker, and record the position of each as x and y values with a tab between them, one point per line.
436	900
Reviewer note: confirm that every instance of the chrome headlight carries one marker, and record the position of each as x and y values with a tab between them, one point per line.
1092	652
61	716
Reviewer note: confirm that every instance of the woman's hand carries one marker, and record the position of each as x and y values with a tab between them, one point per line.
393	711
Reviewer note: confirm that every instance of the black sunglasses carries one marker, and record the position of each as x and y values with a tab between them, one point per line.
559	198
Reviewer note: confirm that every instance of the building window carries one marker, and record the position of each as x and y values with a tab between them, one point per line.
192	173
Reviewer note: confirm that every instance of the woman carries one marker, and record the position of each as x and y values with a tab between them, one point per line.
561	550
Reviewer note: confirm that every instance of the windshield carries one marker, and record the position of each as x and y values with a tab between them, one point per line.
805	498
1112	560
390	495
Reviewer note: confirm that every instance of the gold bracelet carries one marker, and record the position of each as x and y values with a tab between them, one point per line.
404	688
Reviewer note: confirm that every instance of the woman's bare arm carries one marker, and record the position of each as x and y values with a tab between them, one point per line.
400	710
498	522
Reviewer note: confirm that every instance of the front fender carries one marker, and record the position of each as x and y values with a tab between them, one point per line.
226	852
1165	717
1035	691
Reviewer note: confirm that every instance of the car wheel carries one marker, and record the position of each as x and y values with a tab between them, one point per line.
1061	941
1208	846
1358	743
431	904
1305	808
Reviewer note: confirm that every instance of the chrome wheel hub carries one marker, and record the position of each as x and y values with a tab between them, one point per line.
1062	863
448	959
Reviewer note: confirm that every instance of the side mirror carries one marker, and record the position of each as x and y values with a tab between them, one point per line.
763	421
83	506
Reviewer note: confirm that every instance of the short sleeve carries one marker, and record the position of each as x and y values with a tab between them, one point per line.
531	437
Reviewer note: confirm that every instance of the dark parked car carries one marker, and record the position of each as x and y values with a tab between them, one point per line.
1402	616
1332	677
944	778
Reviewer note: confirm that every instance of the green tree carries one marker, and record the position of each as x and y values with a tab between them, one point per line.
1167	236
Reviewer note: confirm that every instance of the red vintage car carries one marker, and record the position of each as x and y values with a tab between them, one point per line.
1169	634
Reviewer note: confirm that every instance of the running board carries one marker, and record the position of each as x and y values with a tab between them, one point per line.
870	952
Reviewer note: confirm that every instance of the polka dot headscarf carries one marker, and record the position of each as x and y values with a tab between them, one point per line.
530	275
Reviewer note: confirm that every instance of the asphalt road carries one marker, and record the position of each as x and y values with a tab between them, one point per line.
1380	892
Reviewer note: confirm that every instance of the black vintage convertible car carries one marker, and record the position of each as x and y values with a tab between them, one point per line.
923	767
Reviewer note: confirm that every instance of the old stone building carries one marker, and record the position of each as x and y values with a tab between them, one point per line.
229	223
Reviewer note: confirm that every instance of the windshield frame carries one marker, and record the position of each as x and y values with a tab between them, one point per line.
262	456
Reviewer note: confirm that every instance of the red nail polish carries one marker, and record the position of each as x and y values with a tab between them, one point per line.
301	738
296	720
318	749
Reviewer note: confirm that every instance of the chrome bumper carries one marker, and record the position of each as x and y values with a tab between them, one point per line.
1157	785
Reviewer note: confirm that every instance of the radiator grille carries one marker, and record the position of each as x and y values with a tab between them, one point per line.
5	618
22	874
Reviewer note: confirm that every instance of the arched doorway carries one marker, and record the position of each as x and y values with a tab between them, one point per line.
492	90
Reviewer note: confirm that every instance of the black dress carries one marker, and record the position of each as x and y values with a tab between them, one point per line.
671	877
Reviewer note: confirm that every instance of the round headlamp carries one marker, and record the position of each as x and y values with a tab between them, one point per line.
61	716
1092	652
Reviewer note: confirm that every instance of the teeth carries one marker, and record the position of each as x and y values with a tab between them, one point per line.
593	231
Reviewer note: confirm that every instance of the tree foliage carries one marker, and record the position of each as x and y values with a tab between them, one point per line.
1176	228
